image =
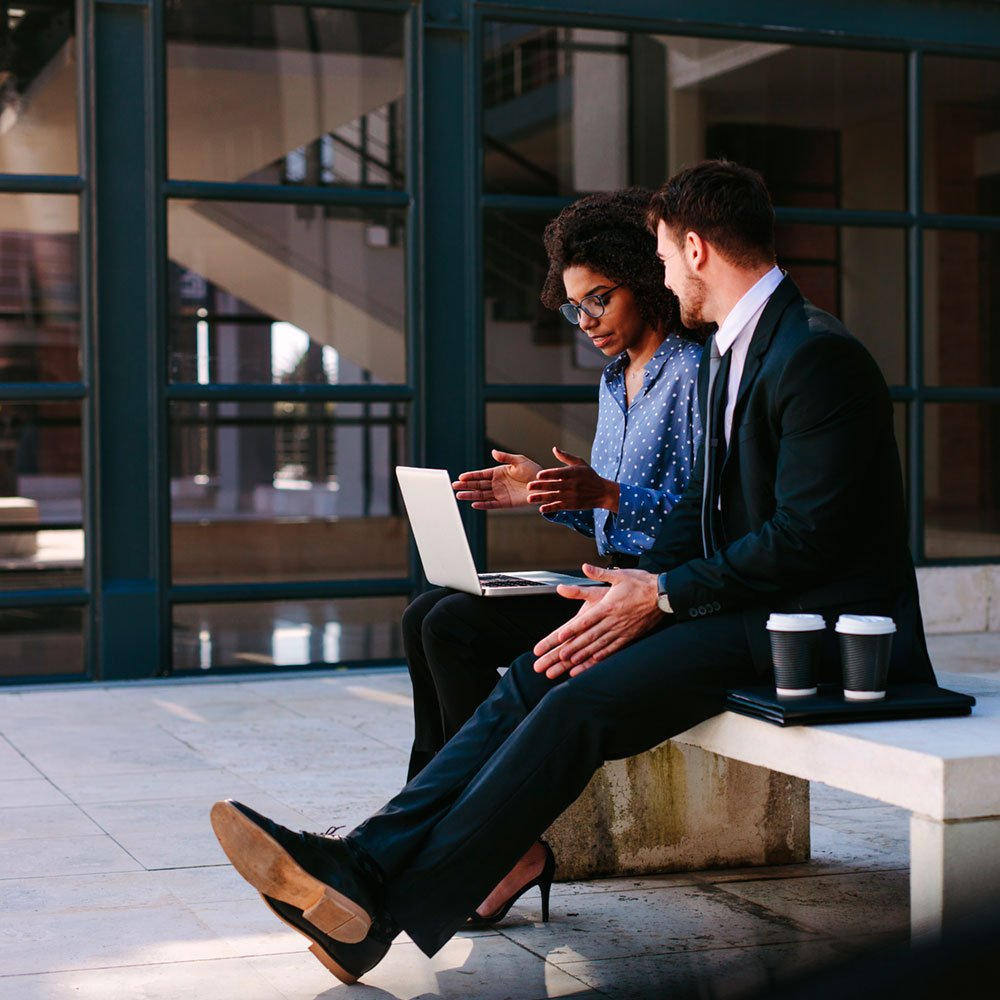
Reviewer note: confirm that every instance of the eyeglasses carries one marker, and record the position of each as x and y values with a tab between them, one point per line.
592	305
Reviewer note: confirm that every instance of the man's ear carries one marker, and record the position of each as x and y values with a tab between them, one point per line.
695	250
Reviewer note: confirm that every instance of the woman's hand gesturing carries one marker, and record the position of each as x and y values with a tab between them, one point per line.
501	486
573	487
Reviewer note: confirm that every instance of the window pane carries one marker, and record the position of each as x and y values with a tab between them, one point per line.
286	491
41	641
858	275
961	135
525	342
962	480
522	538
282	94
570	109
41	530
38	93
286	293
39	287
286	633
961	308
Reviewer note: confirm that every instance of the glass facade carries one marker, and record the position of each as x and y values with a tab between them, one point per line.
253	255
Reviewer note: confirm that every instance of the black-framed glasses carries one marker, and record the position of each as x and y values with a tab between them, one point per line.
592	305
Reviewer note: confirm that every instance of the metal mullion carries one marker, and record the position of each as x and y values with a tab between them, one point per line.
287	194
42	183
86	118
971	223
223	393
158	252
378	6
815	216
43	598
960	394
42	391
215	593
843	217
660	17
242	669
493	393
915	302
476	526
414	262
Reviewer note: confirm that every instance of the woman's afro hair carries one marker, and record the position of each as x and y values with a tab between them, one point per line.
608	233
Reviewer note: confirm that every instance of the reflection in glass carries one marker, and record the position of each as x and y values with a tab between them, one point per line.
961	480
567	110
961	308
961	135
283	94
41	641
286	491
286	294
39	288
38	92
522	538
41	529
286	633
858	275
525	342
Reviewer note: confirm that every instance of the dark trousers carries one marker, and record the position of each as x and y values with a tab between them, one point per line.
453	832
455	645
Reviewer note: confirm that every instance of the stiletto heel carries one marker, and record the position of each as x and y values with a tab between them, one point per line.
544	883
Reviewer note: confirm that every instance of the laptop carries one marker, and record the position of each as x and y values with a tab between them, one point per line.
444	550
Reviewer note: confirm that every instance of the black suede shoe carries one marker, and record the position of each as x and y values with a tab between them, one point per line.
348	962
320	875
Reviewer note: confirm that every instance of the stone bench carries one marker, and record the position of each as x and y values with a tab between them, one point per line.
734	791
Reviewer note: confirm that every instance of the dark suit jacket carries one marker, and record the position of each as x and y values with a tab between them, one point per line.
812	495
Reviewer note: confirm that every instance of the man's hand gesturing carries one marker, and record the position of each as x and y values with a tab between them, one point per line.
609	619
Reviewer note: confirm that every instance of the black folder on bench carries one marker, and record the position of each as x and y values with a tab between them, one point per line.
828	705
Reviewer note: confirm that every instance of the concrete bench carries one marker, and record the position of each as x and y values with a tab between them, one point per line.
733	791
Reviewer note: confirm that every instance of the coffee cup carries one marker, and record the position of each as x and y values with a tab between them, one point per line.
796	651
865	644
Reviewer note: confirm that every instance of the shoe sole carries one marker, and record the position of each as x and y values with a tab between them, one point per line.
317	949
272	871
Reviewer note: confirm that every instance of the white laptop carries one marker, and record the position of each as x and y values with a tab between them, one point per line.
444	550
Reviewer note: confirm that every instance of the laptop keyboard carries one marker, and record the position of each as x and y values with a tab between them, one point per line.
500	580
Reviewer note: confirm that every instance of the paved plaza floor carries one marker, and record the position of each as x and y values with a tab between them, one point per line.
113	887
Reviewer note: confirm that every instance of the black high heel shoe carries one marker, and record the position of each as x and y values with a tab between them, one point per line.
544	883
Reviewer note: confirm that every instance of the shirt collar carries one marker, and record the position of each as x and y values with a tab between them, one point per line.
747	307
652	367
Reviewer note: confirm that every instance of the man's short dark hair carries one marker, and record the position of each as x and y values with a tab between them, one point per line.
725	204
607	232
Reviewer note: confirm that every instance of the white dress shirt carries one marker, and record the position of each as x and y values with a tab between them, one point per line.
736	331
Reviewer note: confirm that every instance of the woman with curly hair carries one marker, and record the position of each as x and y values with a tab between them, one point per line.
603	275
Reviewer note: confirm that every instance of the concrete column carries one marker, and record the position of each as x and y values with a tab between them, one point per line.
680	808
954	870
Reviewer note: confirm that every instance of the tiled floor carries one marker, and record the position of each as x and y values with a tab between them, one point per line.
113	887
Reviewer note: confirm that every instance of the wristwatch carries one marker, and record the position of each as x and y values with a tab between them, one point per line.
662	600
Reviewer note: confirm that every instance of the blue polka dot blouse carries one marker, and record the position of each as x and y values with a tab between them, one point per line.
648	447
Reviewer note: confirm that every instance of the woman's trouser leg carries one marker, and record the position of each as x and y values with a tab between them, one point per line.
455	645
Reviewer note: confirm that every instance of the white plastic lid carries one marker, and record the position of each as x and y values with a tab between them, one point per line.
778	622
865	625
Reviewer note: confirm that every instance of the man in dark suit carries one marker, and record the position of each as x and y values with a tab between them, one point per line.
795	504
